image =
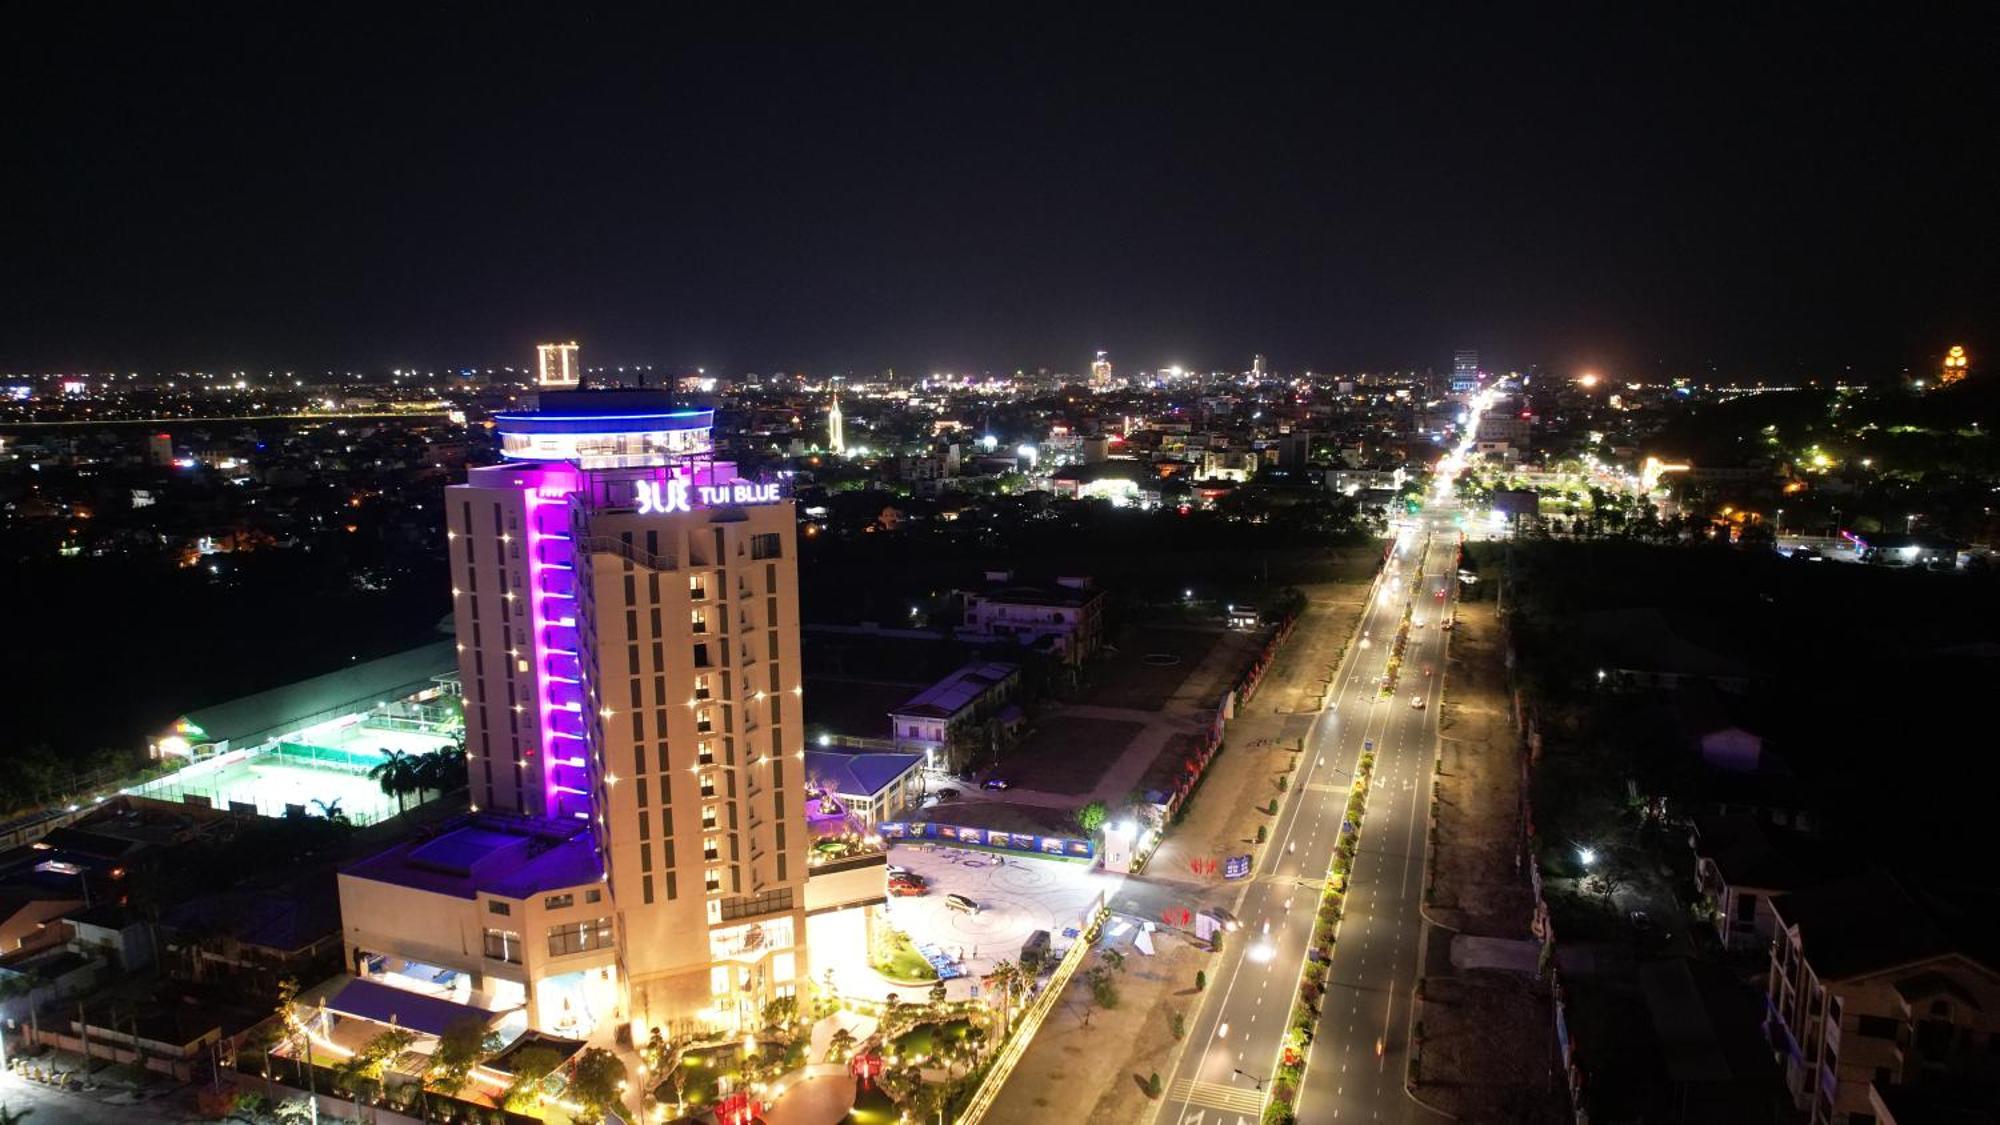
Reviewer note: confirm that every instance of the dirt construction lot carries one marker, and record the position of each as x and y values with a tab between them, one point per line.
1487	1039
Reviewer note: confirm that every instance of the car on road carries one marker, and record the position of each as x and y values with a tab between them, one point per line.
1416	702
903	888
961	904
1440	594
998	783
1416	622
947	794
1645	931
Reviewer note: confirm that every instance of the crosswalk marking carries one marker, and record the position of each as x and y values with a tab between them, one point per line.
1216	1095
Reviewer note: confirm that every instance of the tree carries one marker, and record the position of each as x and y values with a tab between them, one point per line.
1091	817
531	1065
396	773
840	1045
597	1080
1006	979
465	1044
783	1011
937	992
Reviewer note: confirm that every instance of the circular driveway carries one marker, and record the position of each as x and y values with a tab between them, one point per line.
1017	895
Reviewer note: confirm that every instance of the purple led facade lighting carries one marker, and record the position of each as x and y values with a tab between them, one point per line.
552	607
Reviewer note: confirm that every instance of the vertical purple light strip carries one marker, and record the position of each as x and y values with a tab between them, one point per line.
551	485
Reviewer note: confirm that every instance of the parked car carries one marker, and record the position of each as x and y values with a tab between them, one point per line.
903	888
1035	950
947	794
1223	918
961	904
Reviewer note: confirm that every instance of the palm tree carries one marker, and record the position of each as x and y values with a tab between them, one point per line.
396	773
331	810
1006	979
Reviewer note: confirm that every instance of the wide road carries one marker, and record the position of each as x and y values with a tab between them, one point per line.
1234	1039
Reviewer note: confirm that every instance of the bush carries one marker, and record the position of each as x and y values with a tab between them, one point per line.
1200	980
1263	833
1177	1023
1284	783
1276	1113
1272	808
1154	1087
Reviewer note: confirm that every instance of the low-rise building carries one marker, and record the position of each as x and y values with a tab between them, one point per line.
1741	864
496	912
858	791
1065	620
947	723
1873	985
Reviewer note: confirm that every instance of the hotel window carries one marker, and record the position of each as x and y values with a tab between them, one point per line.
697	586
711	849
765	546
495	906
714	881
708	785
504	945
699	619
580	937
704	752
708	817
593	896
701	656
702	687
704	720
558	902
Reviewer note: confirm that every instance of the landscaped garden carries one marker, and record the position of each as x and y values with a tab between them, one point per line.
895	956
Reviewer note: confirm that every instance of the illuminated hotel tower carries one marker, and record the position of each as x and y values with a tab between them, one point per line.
1100	372
836	430
627	614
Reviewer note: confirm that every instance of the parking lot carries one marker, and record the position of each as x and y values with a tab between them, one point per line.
1017	895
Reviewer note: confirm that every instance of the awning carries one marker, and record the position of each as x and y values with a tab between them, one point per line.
381	1003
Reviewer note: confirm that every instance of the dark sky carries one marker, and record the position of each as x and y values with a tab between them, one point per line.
433	184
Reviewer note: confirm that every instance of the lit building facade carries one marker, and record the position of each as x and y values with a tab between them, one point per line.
1100	372
627	615
1465	372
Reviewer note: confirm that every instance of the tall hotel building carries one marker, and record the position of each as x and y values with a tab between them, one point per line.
628	635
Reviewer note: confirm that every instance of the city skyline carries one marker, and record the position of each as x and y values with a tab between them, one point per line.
856	194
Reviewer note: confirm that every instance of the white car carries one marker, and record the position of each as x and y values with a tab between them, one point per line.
1416	702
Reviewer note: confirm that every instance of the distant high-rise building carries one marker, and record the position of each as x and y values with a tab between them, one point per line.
555	365
836	428
1465	372
1100	371
1955	363
1257	366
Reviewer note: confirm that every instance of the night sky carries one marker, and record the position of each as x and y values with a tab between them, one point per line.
1648	193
